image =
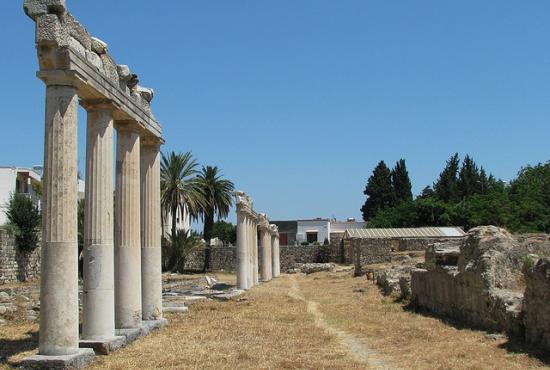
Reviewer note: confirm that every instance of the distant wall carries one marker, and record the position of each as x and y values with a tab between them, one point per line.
15	265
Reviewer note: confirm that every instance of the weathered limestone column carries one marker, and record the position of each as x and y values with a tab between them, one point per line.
98	311
151	264
242	245
265	273
127	232
275	266
250	275
59	260
255	252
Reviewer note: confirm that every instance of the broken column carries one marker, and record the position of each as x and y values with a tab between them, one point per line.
128	232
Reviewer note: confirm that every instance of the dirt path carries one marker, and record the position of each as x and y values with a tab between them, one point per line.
353	345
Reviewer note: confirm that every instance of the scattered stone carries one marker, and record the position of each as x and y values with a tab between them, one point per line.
3	310
2	322
4	297
311	268
146	93
494	336
98	46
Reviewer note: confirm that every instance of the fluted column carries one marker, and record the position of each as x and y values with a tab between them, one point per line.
59	260
265	273
98	308
255	252
250	274
242	250
151	265
127	232
275	266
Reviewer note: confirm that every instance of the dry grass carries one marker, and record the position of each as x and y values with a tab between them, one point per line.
266	330
406	339
321	321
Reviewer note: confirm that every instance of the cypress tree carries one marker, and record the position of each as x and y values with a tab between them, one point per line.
446	186
469	179
401	182
379	191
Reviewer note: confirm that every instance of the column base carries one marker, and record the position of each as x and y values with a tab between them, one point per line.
150	325
146	327
229	296
103	346
83	358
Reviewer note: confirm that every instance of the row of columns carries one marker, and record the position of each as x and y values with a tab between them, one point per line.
122	254
249	224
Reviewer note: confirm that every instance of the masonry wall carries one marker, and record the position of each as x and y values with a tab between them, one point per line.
15	265
419	244
221	258
536	305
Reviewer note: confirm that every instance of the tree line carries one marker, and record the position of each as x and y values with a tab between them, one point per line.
464	194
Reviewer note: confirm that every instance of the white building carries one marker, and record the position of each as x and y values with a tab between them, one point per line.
183	222
315	230
26	181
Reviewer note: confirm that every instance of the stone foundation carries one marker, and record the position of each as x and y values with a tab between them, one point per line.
14	264
536	304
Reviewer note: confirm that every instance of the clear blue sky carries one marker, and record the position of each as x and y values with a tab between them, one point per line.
298	100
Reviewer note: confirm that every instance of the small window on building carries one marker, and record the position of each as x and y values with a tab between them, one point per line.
311	237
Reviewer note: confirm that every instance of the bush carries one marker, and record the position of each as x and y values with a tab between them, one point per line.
304	243
25	219
323	254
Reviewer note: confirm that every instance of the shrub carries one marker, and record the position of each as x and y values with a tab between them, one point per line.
25	219
304	243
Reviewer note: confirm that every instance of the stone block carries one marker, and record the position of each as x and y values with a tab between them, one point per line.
36	8
104	346
82	358
49	30
130	334
98	46
78	32
109	68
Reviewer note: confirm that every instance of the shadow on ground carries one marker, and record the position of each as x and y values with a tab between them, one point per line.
13	347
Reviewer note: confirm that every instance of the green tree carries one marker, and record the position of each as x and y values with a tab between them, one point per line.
24	217
469	179
182	245
225	231
445	187
217	194
379	191
401	182
179	187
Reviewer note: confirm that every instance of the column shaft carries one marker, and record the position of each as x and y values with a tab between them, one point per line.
249	253
275	263
255	252
266	255
151	265
242	251
98	319
127	233
59	261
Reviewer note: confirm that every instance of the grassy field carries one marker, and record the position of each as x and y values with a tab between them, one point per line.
320	321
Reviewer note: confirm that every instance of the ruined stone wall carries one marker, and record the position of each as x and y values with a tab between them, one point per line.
291	255
370	251
221	258
536	304
419	244
15	265
483	287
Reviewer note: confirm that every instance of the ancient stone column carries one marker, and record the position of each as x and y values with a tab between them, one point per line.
275	266
151	264
250	242
242	249
265	271
98	308
255	252
127	232
59	260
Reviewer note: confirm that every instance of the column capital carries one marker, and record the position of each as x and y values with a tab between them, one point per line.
60	78
128	126
98	104
152	142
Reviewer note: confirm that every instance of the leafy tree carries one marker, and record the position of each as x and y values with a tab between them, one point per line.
179	186
427	192
401	182
217	195
181	246
225	231
379	191
446	186
25	219
469	179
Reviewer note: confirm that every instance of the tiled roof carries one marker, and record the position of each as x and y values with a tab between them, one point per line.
419	232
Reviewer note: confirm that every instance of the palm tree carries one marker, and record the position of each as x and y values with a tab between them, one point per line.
217	194
179	187
185	243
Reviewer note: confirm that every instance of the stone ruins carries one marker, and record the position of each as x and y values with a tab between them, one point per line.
122	268
255	262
